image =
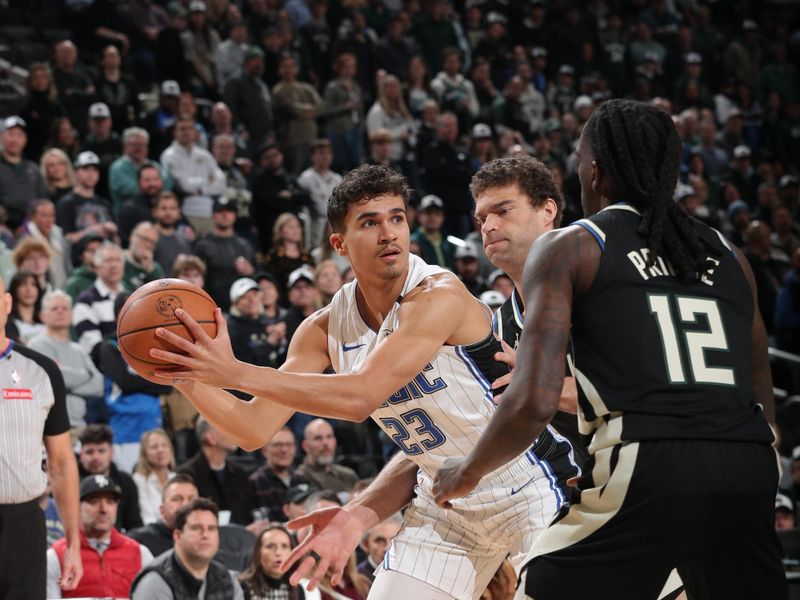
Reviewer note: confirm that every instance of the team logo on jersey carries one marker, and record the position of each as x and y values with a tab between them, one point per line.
15	377
167	305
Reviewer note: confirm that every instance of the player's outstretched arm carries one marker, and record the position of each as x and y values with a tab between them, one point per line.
336	532
437	312
251	424
561	264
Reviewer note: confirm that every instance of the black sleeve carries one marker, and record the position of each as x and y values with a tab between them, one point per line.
57	421
129	514
111	363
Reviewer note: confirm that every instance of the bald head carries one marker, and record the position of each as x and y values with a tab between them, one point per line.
319	443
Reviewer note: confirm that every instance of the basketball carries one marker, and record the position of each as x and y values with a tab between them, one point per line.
153	305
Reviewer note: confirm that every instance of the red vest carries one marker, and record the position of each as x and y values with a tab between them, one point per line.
107	575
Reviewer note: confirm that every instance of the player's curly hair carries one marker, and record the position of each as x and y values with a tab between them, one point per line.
639	149
531	176
362	184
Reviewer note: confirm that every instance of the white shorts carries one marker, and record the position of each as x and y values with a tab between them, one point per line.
458	550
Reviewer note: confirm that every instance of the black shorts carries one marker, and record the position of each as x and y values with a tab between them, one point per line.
704	508
23	547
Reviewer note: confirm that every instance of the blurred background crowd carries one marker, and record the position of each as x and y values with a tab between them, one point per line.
201	139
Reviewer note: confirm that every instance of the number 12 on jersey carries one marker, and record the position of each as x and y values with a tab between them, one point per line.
696	342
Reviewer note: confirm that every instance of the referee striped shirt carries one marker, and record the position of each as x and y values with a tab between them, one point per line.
33	404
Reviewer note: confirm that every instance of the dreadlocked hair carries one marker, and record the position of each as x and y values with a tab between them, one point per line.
639	149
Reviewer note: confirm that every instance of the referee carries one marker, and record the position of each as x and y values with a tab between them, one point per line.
33	410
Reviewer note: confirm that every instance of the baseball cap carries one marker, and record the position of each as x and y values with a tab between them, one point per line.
788	180
538	52
495	275
693	58
566	70
742	151
682	190
301	273
651	56
496	17
492	299
170	87
582	102
99	110
298	493
176	9
552	125
87	159
733	113
430	201
749	25
782	501
197	6
241	286
97	484
481	131
251	53
468	250
224	203
14	121
737	206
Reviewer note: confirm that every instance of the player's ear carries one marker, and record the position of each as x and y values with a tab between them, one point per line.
337	241
550	208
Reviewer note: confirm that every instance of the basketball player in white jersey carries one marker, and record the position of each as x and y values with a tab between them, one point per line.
413	349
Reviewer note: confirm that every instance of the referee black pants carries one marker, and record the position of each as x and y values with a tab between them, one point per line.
23	547
705	508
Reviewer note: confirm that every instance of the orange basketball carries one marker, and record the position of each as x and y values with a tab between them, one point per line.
153	305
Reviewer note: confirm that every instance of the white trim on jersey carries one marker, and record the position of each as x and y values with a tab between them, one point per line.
592	395
586	223
722	239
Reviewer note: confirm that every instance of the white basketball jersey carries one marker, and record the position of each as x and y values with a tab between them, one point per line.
442	412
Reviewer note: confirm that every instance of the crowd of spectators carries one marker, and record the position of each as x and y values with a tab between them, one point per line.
201	139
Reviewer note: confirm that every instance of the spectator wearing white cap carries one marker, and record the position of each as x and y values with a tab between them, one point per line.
492	299
253	338
303	297
482	148
436	248
743	175
561	96
784	513
467	268
20	180
103	141
82	211
159	122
